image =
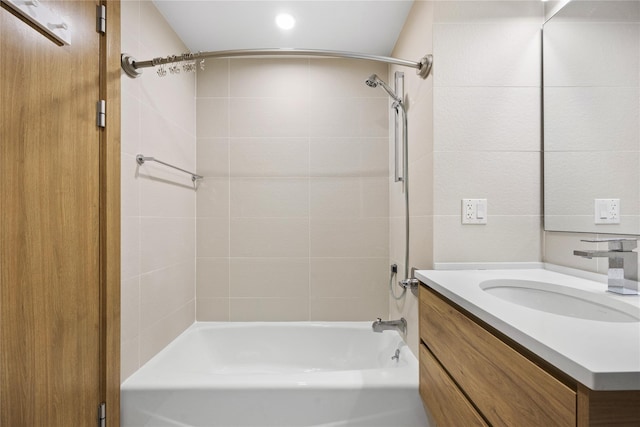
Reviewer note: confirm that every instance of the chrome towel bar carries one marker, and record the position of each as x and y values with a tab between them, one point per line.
141	159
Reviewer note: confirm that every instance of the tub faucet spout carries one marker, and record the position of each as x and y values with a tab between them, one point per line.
399	325
622	276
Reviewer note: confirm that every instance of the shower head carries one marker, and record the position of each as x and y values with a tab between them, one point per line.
373	81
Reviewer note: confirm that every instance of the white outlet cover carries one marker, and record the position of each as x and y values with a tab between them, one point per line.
474	211
606	211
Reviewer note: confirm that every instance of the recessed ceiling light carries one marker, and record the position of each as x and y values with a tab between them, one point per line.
285	21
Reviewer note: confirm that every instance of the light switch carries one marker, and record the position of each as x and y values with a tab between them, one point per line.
481	207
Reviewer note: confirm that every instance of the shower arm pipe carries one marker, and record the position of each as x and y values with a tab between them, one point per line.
133	68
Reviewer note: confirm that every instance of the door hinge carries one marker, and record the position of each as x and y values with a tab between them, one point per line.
101	113
102	415
101	19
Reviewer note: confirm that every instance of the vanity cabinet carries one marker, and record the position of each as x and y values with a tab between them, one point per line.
471	374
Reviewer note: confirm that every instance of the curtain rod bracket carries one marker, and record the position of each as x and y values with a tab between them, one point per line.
425	66
127	62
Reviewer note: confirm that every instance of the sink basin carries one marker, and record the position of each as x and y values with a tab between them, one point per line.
562	300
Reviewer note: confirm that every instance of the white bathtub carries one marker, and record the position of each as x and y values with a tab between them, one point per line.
277	374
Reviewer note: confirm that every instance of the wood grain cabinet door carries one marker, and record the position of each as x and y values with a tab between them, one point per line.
50	356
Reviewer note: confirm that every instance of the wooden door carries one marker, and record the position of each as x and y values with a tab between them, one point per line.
50	318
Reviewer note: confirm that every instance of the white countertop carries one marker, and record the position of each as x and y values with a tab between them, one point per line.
600	355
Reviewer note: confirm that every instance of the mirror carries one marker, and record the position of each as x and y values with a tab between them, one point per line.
591	104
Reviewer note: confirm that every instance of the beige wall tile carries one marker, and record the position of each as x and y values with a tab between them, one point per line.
129	357
364	237
129	186
336	197
129	247
212	310
269	277
163	139
164	331
407	307
212	237
421	242
348	309
163	290
269	309
269	237
173	197
335	157
340	78
277	78
349	277
273	157
213	81
375	197
130	309
212	277
212	198
269	117
130	123
397	239
166	241
269	197
349	117
212	157
421	184
176	102
158	204
212	117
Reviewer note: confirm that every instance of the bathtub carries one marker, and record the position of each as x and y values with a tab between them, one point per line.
277	374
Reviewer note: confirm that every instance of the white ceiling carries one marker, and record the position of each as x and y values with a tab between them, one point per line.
351	25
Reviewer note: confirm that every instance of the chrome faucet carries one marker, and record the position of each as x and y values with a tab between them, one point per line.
384	325
623	264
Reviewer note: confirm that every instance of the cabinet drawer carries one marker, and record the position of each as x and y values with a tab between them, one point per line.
440	394
507	388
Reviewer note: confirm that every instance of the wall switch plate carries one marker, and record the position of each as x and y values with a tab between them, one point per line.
474	211
607	211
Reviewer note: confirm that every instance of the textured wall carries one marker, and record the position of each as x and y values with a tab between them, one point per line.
474	133
487	129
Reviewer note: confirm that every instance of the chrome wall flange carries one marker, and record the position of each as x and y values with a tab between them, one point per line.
126	62
425	66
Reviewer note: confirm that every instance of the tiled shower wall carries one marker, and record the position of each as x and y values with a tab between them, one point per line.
158	204
292	216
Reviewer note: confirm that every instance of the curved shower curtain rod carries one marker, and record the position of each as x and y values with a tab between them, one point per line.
133	68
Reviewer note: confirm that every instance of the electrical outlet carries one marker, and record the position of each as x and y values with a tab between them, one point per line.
607	211
474	211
